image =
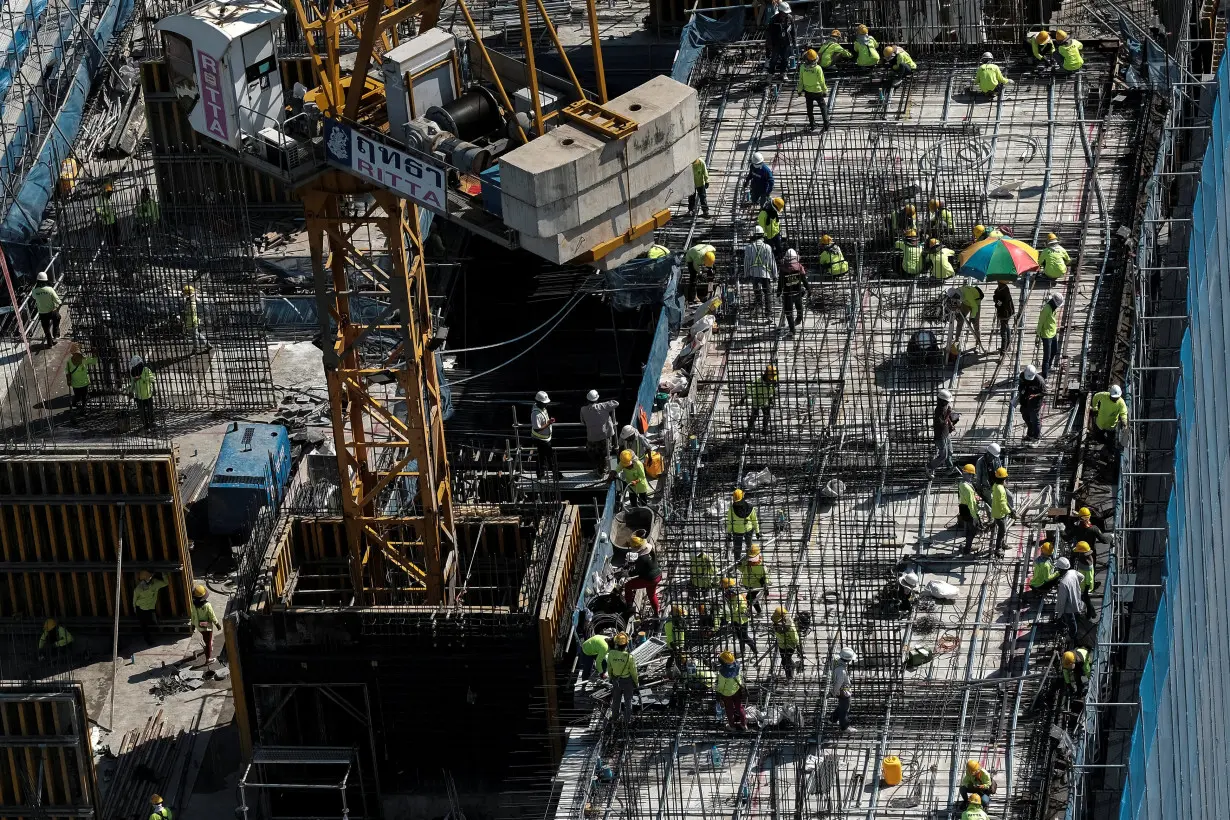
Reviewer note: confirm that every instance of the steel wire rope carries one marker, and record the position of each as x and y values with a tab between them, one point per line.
576	300
524	335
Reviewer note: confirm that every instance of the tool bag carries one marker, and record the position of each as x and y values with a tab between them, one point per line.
654	464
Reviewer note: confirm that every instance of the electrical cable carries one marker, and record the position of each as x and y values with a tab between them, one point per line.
508	341
576	301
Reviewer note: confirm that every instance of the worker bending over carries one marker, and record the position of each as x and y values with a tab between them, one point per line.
973	809
769	220
788	642
980	233
1044	575
53	639
832	51
910	263
1077	666
700	258
145	602
1082	528
939	219
832	261
644	574
989	79
791	285
937	260
1053	259
899	63
1110	414
1041	47
813	87
741	522
593	656
866	49
1069	52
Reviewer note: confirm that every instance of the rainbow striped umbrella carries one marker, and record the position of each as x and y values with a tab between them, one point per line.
998	259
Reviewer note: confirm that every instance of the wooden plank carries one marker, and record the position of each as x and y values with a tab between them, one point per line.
69	552
85	542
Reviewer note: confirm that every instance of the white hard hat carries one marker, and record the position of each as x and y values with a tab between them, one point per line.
910	580
627	431
993	449
848	655
1063	564
42	276
135	361
757	158
987	56
541	397
757	231
591	395
1056	300
791	254
1029	372
945	394
953	293
1115	391
783	8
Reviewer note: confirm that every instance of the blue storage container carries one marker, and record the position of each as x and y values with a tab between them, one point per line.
251	472
490	180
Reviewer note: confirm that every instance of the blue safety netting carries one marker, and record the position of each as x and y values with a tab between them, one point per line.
701	30
1178	749
647	282
15	51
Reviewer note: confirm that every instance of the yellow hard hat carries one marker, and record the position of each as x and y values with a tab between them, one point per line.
708	259
910	232
935	204
889	51
780	613
636	541
753	550
779	203
144	575
1082	547
625	458
1048	548
737	495
726	656
621	639
861	29
156	800
1061	35
189	289
810	55
1084	512
975	799
826	240
969	469
199	591
979	230
728	583
909	209
678	609
108	188
1050	237
933	242
972	766
771	371
1001	472
49	624
1043	37
835	34
1069	660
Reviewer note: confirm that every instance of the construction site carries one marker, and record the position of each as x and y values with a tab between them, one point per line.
384	389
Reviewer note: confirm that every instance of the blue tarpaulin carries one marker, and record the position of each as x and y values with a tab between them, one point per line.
700	31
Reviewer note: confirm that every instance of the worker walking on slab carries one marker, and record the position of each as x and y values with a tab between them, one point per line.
54	639
645	574
593	656
1048	332
192	321
866	49
967	507
1082	560
973	809
1005	309
989	79
1077	667
1030	391
937	260
47	302
1069	51
700	188
943	422
755	577
700	258
939	220
779	39
1053	259
760	394
1001	509
741	522
1044	575
142	390
542	425
760	267
1041	47
729	688
789	643
842	689
158	809
832	51
791	285
621	668
985	468
203	618
77	373
900	64
1068	604
769	220
632	474
759	179
832	261
736	615
813	87
599	420
910	262
145	602
1109	413
977	782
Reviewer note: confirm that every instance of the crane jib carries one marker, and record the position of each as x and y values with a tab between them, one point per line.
393	168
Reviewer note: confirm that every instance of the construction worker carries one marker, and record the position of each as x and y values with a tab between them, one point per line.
813	87
599	420
1048	332
1005	309
985	468
760	395
77	373
980	233
1069	50
729	688
957	306
1044	576
158	810
204	619
142	390
910	263
841	689
1077	666
973	809
700	256
1068	603
542	425
1082	528
755	577
1041	47
832	50
943	422
1001	509
976	783
54	638
1109	413
769	221
939	219
736	615
759	179
1030	391
741	522
832	261
148	212
989	79
1053	259
621	668
675	633
791	285
937	260
145	602
1082	562
866	49
645	574
191	318
47	302
657	251
700	188
971	310
632	474
779	39
105	213
908	587
593	656
702	573
760	267
900	63
632	439
904	219
788	642
967	506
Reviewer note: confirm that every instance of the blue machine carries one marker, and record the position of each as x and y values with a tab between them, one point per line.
252	471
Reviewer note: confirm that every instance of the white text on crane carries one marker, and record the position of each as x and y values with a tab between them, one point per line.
392	168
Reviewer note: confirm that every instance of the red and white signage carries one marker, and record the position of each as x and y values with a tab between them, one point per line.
209	80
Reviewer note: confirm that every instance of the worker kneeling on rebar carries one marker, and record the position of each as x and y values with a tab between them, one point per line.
900	64
989	79
977	785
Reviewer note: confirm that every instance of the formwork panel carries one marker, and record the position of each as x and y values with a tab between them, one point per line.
48	768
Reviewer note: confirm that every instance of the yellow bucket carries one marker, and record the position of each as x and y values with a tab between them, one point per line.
892	770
